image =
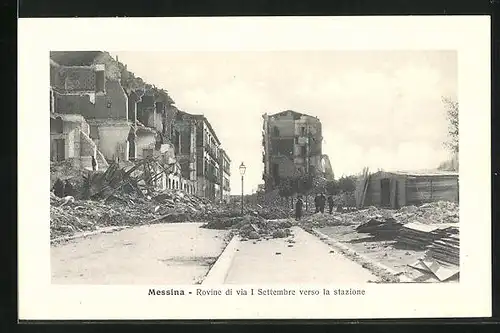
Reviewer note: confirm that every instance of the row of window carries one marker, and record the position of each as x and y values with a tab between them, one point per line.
210	142
211	169
303	131
174	185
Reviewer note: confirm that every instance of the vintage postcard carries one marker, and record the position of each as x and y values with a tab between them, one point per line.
254	168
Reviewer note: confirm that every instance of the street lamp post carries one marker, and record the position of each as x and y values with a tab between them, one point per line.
242	173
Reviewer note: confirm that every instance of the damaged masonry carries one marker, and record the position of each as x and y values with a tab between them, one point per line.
133	176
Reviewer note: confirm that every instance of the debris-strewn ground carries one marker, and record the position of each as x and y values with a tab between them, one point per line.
431	213
384	251
69	215
253	226
384	247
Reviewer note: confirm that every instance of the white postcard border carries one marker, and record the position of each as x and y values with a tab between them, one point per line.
469	35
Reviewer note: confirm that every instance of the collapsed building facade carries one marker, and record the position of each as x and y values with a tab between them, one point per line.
93	116
292	147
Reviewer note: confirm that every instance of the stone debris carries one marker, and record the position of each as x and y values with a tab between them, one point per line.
253	227
69	215
431	213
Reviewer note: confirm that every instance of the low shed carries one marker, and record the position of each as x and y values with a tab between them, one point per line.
397	189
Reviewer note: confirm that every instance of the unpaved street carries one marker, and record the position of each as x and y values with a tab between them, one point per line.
278	261
176	253
183	253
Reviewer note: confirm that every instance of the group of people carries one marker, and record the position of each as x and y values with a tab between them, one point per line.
319	202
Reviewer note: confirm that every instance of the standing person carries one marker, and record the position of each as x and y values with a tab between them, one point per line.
322	202
330	203
298	207
94	164
317	203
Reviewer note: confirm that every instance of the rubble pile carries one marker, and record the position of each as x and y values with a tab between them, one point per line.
182	206
270	212
355	217
124	209
70	216
430	213
253	227
65	171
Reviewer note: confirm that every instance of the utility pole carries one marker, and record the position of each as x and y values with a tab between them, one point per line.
241	195
242	173
308	148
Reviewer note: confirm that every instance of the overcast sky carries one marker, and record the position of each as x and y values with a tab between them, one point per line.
379	109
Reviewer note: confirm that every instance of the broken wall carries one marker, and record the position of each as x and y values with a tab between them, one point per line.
286	167
170	115
146	140
159	117
88	148
78	78
113	140
74	104
71	136
282	126
144	109
113	104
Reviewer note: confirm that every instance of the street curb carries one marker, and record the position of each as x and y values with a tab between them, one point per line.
217	274
85	235
332	242
97	232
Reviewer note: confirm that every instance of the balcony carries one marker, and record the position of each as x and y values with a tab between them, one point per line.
211	151
212	178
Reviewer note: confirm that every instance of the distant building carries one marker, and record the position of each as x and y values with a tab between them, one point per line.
95	112
225	175
199	152
292	147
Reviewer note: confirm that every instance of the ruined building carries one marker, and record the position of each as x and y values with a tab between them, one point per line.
99	109
200	155
80	87
225	176
292	147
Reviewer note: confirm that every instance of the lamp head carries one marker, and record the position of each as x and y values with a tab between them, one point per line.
243	168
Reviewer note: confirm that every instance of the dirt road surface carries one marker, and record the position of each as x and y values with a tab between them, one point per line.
387	252
176	253
277	261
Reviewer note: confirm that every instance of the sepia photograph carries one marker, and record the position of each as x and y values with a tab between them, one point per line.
254	167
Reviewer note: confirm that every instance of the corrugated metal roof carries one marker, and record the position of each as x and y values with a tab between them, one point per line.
420	173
